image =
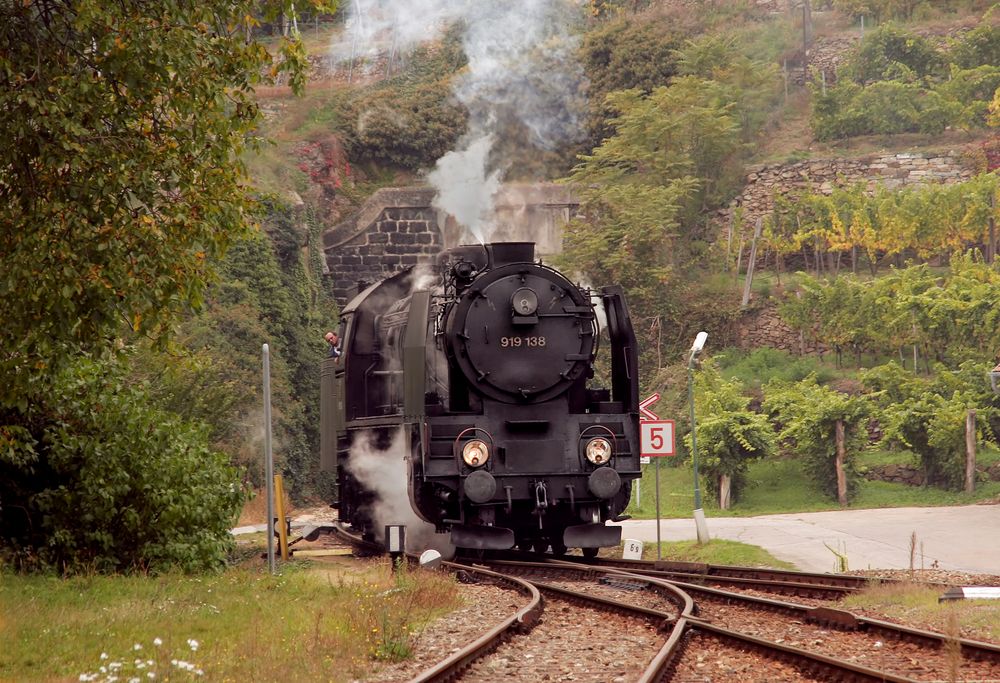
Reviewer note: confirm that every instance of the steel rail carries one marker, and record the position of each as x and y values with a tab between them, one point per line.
817	590
844	620
720	572
666	659
660	664
521	621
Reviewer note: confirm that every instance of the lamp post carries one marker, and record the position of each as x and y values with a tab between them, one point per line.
699	513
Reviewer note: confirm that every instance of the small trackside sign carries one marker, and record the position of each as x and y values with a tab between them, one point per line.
656	436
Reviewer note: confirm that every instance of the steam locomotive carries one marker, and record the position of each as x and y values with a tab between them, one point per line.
484	366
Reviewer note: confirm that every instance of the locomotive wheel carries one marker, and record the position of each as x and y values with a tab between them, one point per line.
540	547
558	549
590	553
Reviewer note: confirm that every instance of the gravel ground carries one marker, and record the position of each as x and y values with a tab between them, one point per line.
933	576
485	607
573	643
709	660
907	659
643	597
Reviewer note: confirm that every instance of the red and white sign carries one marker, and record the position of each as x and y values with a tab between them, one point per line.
656	436
644	404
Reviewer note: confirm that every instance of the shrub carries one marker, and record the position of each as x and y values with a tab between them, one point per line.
808	414
730	435
979	47
94	478
760	366
621	55
890	51
927	415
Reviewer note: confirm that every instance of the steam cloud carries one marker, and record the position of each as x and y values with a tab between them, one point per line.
521	71
385	473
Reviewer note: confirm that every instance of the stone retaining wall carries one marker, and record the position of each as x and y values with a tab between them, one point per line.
763	326
914	476
823	175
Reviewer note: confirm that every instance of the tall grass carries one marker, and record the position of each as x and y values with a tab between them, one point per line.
321	623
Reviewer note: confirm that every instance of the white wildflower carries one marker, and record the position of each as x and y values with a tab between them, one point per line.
193	644
157	642
199	672
104	655
114	666
134	679
104	669
151	674
173	662
137	647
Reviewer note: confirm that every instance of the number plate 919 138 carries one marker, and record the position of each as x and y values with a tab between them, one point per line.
521	342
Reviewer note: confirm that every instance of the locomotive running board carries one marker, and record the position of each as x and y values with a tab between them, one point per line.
482	537
592	536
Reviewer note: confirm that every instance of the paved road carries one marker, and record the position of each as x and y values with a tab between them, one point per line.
963	538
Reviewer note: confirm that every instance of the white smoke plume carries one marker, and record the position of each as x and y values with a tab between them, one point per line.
385	473
521	71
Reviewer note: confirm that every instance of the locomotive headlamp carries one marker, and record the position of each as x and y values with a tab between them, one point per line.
598	450
525	301
475	453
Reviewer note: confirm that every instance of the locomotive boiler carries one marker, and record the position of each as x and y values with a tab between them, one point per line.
485	365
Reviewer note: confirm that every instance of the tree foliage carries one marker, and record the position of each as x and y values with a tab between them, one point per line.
808	413
730	434
94	477
900	83
120	180
121	186
927	414
945	317
925	221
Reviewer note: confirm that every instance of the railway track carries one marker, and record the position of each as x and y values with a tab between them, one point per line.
683	630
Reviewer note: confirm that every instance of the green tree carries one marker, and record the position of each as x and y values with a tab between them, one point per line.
927	415
808	413
121	186
95	477
730	434
120	179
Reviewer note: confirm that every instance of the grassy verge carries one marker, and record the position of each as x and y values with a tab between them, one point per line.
321	623
716	551
780	486
913	604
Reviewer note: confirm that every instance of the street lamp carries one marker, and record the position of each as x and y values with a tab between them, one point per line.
699	513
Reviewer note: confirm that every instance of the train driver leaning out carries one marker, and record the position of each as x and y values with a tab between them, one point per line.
333	341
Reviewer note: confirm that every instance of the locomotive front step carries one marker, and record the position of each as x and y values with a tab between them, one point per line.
592	536
480	537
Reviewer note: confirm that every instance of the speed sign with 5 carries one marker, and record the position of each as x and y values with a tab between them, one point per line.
657	437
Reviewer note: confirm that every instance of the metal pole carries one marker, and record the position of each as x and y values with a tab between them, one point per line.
694	443
699	513
658	509
268	460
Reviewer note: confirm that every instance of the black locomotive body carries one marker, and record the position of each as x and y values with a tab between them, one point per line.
484	367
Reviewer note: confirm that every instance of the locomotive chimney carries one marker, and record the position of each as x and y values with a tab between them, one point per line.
502	253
